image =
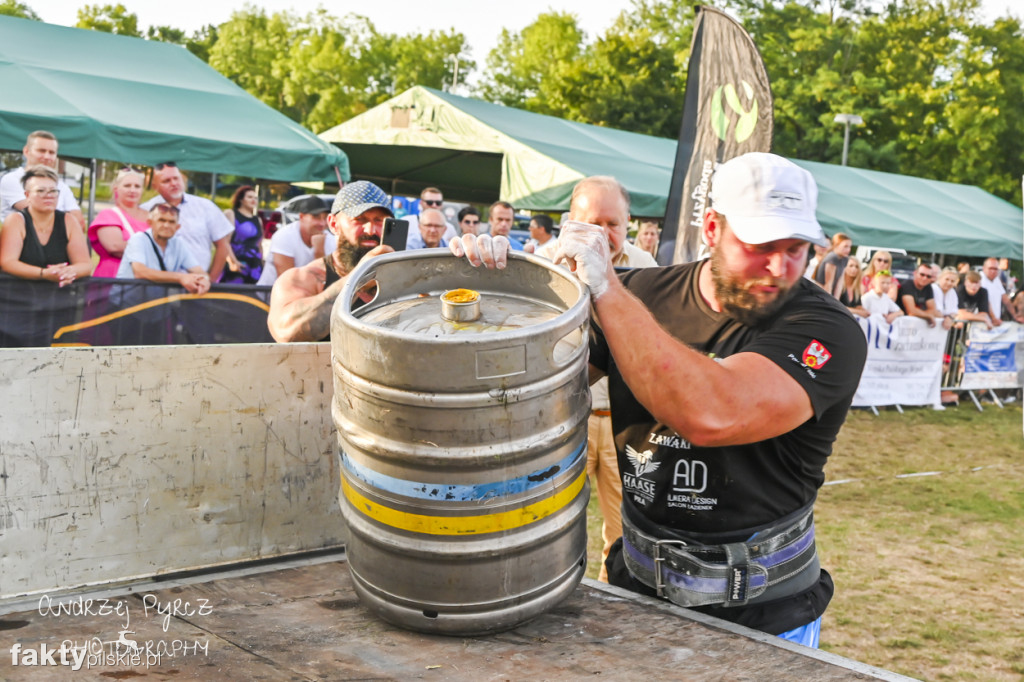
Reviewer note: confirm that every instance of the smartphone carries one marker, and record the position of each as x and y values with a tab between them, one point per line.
396	232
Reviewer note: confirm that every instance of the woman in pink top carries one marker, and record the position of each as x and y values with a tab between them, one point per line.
113	227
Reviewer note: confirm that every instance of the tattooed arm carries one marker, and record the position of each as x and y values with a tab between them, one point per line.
300	306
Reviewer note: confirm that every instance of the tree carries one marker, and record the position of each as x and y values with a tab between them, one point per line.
629	78
528	70
13	8
109	19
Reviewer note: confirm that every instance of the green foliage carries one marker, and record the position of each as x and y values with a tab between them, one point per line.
628	78
939	90
13	8
321	70
109	19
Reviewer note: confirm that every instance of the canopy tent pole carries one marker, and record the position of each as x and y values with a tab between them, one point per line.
92	193
213	186
337	174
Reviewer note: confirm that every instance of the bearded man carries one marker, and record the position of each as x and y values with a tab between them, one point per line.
729	379
302	298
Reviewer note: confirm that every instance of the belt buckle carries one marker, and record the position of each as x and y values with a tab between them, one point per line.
659	583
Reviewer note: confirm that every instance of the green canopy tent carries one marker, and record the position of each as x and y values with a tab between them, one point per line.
478	151
144	102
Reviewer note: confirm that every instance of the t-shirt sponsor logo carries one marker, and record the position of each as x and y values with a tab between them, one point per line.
689	479
816	355
672	441
643	463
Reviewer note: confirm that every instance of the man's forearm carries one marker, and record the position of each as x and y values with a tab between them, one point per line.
308	319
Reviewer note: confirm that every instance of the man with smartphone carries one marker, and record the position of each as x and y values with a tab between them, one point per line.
302	298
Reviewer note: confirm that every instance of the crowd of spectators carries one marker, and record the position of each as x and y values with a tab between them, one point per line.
44	237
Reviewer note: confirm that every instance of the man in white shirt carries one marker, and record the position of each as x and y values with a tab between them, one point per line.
997	296
298	243
40	150
203	225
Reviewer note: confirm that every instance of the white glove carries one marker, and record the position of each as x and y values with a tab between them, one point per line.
584	248
481	250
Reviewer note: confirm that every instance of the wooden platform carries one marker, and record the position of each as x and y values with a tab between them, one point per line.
303	622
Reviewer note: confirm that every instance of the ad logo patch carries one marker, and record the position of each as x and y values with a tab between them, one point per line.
816	355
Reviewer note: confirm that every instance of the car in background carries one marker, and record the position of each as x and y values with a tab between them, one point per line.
903	264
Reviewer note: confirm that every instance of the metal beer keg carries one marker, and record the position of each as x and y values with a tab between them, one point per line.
462	438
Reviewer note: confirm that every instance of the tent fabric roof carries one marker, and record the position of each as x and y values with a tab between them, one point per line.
478	151
138	101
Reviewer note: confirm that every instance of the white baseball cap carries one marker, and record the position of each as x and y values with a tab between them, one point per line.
765	198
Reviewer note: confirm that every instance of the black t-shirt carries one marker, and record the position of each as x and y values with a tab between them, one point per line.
972	304
920	296
724	494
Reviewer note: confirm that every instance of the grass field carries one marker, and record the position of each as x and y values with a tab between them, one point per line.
920	524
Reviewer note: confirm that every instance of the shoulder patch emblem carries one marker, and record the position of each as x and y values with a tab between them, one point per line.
816	355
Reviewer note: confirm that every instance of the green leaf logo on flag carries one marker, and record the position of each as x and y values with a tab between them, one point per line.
720	119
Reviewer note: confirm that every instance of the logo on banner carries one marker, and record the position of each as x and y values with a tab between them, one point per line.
816	355
747	121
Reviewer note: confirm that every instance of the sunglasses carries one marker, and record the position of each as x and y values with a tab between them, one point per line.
882	260
166	164
432	202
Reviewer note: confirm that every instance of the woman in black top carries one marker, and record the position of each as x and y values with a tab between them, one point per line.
40	242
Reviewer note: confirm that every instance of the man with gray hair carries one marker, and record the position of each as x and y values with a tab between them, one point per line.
729	379
430	232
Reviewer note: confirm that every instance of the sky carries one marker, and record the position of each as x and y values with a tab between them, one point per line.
475	20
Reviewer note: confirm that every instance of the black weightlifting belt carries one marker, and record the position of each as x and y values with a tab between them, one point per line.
776	562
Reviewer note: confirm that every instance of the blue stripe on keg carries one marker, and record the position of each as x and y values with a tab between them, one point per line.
460	493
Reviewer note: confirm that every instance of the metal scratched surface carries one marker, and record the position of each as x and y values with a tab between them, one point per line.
304	623
123	462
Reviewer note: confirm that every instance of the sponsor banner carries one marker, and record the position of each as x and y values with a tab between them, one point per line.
994	357
904	363
112	312
727	111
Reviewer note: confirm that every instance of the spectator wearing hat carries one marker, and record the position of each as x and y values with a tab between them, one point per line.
302	298
203	226
299	242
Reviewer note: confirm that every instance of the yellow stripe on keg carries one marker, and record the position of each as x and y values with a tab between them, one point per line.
463	525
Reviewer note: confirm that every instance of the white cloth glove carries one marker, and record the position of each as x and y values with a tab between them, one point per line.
584	248
481	250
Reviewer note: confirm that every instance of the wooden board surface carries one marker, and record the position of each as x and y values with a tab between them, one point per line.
305	623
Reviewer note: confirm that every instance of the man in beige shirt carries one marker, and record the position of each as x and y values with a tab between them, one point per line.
603	201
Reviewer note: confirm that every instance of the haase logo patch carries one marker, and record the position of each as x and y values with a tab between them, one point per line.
720	119
816	355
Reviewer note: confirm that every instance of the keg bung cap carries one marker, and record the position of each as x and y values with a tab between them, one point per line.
460	305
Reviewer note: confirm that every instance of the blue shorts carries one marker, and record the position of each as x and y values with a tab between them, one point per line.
808	635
